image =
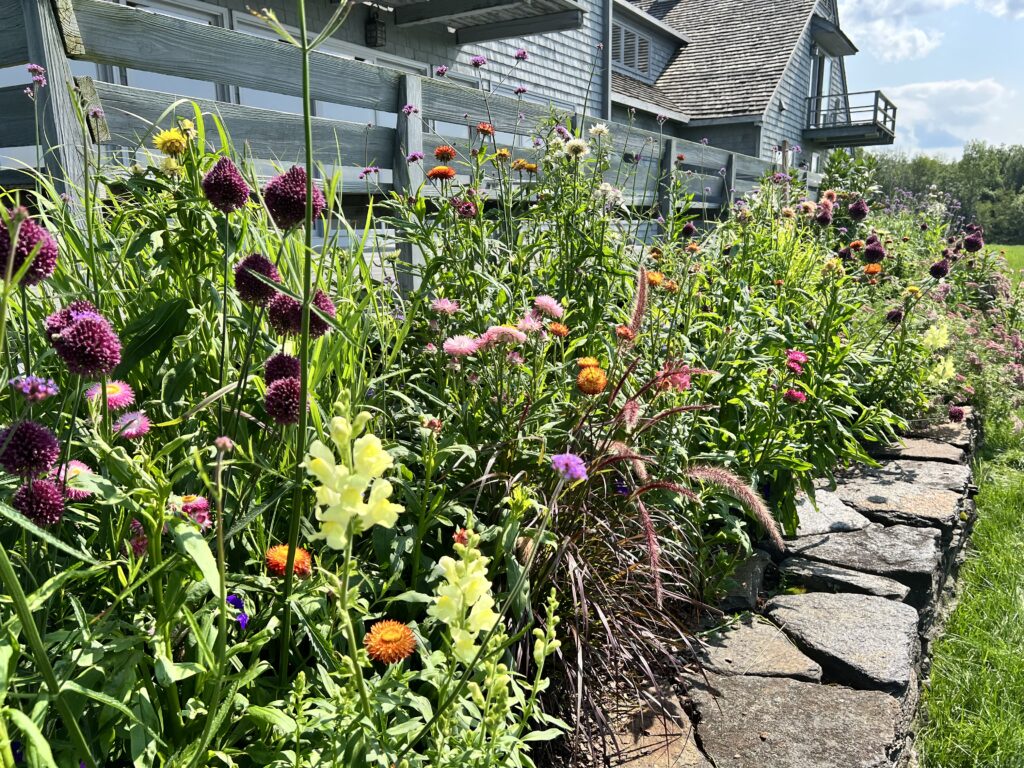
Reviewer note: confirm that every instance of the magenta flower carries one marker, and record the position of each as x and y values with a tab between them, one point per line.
465	208
461	346
119	394
549	306
66	474
197	509
28	449
248	283
282	401
974	242
689	229
478	61
858	209
441	71
521	54
519	90
285	315
894	315
139	542
84	340
281	366
445	306
30	236
501	334
414	157
531	323
224	186
794	396
34	388
132	425
61	319
955	413
569	466
285	196
410	109
40	501
939	269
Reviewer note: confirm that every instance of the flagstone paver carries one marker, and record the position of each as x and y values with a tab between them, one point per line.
754	646
823	577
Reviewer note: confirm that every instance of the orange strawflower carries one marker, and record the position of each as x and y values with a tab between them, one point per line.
277	561
588	362
445	153
531	168
625	333
591	380
389	641
872	269
856	245
779	282
441	173
655	278
693	247
558	329
503	155
671	286
485	129
519	164
655	252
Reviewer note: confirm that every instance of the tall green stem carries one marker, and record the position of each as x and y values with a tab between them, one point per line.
307	280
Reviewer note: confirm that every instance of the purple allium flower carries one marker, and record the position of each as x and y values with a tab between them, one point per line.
28	449
939	269
794	396
874	252
894	315
119	394
40	501
441	71
955	413
519	90
30	236
88	345
285	315
139	542
478	61
285	196
132	425
281	366
243	621
282	400
224	186
70	471
974	242
34	388
414	157
858	209
251	289
465	208
570	466
63	318
689	229
521	54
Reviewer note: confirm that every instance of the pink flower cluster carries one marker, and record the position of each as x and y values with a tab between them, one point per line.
795	360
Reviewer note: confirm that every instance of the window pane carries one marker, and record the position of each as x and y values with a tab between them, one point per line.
269	100
180	86
343	112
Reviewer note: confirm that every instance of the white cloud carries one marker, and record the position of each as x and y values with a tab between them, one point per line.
899	41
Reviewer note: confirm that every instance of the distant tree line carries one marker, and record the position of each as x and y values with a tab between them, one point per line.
988	181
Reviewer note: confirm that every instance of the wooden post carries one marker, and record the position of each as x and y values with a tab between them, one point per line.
669	150
408	177
785	155
729	181
61	134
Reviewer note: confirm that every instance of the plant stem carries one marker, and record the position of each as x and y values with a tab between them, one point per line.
350	629
223	324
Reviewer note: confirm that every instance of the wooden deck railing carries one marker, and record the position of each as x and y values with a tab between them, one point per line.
52	32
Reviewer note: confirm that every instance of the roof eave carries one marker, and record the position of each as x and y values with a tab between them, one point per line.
646	106
626	8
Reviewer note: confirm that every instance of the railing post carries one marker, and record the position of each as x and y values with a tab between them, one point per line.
408	177
729	181
669	150
61	135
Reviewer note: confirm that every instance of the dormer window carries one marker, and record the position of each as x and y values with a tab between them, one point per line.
631	50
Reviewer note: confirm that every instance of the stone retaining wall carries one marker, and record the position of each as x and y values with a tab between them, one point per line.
827	673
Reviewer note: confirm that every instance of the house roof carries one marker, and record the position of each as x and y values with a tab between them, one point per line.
635	93
737	54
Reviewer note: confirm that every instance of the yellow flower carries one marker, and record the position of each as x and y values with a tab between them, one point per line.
171	142
464	601
188	128
936	337
370	457
912	290
170	166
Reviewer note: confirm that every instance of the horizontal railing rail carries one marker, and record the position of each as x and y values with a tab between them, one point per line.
860	108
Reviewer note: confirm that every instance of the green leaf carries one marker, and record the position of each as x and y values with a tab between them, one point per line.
152	331
109	701
191	543
272	717
49	538
37	748
168	673
545	735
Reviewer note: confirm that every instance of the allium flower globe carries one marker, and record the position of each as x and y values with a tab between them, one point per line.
41	501
251	289
285	196
30	237
28	449
87	344
224	186
282	401
285	315
281	366
858	209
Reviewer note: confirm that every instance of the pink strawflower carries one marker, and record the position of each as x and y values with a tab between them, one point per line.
119	394
515	358
531	323
445	306
66	473
794	396
797	356
197	508
132	425
501	334
549	306
461	346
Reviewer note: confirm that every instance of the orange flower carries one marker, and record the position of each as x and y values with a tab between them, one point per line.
671	286
503	155
856	245
558	329
830	195
872	269
531	168
655	253
277	561
624	332
655	278
780	283
519	164
692	247
591	380
389	641
485	129
441	173
445	153
588	362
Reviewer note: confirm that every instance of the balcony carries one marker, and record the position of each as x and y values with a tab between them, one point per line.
857	119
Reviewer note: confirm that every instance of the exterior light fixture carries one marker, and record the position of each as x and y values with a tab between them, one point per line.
376	32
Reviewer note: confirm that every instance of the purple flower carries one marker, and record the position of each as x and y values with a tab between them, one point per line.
441	71
281	366
34	388
243	621
285	315
368	171
956	414
285	196
939	269
251	289
794	396
662	119
974	242
28	448
414	157
96	113
465	208
570	466
689	229
478	61
521	54
235	601
519	90
87	344
282	401
824	215
132	425
410	109
38	74
858	209
874	252
621	487
224	186
562	131
894	315
41	501
139	542
30	236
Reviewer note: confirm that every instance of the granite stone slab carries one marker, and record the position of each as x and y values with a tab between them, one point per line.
935	474
921	450
898	502
823	577
826	514
754	646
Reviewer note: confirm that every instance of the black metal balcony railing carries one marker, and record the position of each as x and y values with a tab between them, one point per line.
868	115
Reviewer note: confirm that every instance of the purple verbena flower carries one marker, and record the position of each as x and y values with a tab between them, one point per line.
478	61
570	466
34	388
521	54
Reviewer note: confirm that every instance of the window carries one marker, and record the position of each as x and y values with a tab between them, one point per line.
631	49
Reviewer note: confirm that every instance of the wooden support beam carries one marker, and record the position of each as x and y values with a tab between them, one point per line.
447	11
730	180
61	134
407	178
13	42
530	25
669	150
18	126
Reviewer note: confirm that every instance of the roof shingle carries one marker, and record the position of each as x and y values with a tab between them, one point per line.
629	86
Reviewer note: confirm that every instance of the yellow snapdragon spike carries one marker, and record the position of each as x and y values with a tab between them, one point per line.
482	617
379	510
464	645
369	456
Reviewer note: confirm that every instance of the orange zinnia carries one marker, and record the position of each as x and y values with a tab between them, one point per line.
655	278
441	173
591	380
389	641
445	153
485	129
872	269
558	329
277	561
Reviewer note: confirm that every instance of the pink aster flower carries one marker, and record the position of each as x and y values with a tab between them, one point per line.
445	306
119	394
549	306
461	346
66	475
132	425
794	396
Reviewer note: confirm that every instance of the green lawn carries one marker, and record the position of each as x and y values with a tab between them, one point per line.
1014	255
974	707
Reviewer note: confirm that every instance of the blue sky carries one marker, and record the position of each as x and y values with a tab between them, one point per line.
955	68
